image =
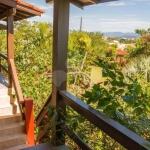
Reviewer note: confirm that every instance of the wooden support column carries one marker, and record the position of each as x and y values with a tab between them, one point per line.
60	47
10	48
29	120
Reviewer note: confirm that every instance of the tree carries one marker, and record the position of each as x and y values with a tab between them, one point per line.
142	46
33	55
141	31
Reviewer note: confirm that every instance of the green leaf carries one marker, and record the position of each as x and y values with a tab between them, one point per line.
127	98
87	94
119	92
105	83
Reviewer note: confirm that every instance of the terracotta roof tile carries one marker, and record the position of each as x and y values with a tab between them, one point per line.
120	52
29	5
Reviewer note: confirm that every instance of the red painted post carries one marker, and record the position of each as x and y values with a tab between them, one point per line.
29	120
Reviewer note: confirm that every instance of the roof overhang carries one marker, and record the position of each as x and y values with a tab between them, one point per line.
82	3
23	10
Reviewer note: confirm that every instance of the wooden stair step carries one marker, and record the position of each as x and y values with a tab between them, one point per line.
10	119
12	129
18	147
47	146
12	141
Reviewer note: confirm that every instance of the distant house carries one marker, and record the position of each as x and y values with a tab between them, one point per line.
105	38
123	38
116	42
120	57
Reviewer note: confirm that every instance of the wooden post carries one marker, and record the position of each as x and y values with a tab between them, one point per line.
60	47
29	120
10	48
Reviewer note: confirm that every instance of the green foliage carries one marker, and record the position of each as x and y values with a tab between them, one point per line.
2	39
138	66
142	45
82	47
141	31
55	125
125	101
79	43
33	49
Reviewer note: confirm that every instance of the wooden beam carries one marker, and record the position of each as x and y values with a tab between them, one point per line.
119	133
49	1
28	10
60	48
74	2
16	82
8	3
3	27
105	1
10	46
91	2
9	12
94	1
77	3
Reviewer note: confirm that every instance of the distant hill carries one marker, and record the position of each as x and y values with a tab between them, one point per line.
121	34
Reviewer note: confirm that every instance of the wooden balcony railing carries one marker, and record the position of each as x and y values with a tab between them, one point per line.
14	77
25	105
119	133
1	66
40	117
43	111
16	82
29	120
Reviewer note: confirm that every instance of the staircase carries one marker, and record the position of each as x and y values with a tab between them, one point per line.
12	128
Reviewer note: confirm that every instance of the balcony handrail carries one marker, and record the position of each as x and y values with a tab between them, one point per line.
16	82
75	138
17	86
3	56
1	66
43	111
121	134
4	68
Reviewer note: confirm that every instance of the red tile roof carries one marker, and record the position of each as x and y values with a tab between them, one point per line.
120	52
29	5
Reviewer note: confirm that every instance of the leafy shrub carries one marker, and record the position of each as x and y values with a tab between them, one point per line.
126	101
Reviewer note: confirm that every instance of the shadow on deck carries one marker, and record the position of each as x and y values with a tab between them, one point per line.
3	81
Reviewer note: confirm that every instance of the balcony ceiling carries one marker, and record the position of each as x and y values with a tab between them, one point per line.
82	3
22	9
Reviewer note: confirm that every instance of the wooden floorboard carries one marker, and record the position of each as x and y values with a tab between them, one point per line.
47	146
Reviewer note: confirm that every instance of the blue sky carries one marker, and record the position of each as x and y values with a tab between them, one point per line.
122	15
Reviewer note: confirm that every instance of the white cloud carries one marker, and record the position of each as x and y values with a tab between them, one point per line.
103	21
117	3
46	7
123	24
